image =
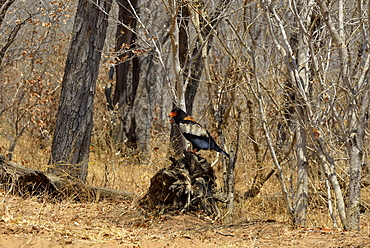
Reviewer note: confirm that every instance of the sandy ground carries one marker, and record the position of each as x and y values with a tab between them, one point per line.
171	231
35	222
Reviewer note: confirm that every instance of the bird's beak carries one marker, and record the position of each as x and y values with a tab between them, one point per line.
172	114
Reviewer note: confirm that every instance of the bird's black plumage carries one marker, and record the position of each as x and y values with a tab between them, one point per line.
194	132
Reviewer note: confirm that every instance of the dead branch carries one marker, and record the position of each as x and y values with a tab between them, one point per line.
29	182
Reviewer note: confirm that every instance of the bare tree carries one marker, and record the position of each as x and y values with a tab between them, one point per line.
354	76
27	95
4	6
72	136
318	115
194	55
297	70
191	49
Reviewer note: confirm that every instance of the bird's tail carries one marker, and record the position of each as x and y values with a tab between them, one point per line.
218	149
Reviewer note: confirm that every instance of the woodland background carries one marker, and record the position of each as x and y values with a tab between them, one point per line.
282	85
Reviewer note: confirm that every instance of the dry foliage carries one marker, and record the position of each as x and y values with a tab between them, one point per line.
31	82
259	221
255	221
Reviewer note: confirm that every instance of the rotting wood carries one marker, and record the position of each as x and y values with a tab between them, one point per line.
188	184
25	181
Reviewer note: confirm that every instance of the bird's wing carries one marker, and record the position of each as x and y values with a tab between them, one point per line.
196	134
199	142
193	128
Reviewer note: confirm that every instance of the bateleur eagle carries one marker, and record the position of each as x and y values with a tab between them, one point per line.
194	132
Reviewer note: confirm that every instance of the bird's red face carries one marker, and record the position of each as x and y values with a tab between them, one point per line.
177	115
171	115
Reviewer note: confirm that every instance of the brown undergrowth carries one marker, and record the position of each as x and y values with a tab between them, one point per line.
257	222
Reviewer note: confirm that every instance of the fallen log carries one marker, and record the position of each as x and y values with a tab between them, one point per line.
188	184
29	182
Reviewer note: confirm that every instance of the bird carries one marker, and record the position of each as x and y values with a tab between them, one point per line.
198	136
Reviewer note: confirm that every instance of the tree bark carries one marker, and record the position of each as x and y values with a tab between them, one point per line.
327	164
72	136
126	39
355	148
301	196
303	12
143	104
133	83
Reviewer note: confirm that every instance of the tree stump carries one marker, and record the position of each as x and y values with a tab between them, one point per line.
188	184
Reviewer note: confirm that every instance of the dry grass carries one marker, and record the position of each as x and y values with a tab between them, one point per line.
85	223
132	173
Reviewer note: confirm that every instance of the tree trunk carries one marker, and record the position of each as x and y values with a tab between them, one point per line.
72	136
126	39
355	148
301	196
195	64
133	87
301	92
143	104
353	205
327	164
